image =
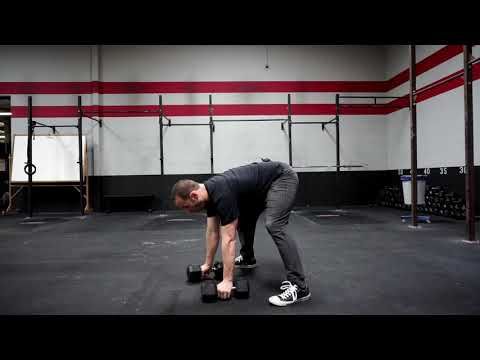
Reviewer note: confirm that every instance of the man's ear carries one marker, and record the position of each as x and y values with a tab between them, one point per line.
193	195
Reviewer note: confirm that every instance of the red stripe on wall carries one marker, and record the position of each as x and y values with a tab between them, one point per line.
194	110
297	109
241	87
48	111
45	111
14	88
437	58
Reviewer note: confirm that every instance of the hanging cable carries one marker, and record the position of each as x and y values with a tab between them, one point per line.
267	66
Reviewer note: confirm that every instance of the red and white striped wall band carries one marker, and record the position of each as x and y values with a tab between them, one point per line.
245	110
426	64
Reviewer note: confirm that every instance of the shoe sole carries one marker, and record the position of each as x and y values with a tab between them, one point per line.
305	298
246	266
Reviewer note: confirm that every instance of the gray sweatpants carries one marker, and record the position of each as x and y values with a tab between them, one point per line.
278	205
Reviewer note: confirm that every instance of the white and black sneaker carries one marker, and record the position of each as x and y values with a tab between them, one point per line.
291	294
242	263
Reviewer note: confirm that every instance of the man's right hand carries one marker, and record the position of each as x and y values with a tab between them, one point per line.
205	268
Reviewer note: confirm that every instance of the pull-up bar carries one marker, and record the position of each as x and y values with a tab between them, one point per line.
310	122
323	123
374	105
385	106
249	120
187	124
368	97
473	61
53	127
329	166
434	84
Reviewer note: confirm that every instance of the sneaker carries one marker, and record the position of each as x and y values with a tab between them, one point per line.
291	294
241	263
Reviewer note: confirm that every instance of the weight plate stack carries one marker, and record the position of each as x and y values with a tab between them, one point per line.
439	200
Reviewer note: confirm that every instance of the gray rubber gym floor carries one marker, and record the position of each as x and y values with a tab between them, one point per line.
358	261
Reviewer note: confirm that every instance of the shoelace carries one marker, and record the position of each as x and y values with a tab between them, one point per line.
289	290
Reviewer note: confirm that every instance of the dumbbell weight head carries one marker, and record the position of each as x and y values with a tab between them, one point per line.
218	271
242	289
209	291
194	273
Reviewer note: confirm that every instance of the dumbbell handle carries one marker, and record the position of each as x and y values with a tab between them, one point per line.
212	268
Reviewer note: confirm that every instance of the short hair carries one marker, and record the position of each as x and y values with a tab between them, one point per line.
183	188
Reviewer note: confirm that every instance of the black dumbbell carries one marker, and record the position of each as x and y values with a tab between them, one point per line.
240	290
194	272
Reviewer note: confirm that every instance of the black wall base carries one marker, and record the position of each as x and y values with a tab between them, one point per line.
316	189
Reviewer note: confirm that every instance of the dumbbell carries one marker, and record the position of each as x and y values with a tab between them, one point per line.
194	272
240	290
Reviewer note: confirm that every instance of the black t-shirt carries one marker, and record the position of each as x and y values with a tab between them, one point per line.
238	188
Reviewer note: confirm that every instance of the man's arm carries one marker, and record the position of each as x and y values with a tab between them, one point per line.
212	237
228	233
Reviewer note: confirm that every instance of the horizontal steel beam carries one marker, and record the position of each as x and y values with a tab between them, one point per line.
328	166
368	97
312	122
188	124
439	82
248	120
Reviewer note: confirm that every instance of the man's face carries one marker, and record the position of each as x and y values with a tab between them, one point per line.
192	204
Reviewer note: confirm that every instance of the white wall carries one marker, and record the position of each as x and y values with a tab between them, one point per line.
130	146
45	63
440	120
241	63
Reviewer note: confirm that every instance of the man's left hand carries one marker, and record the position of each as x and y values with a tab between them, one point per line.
224	289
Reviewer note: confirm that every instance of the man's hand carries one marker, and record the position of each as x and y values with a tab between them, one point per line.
224	289
205	268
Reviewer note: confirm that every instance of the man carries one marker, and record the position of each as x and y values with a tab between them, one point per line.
233	202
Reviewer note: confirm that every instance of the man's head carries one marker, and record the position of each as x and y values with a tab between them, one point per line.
189	195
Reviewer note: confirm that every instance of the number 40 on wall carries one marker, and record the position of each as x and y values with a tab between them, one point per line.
443	171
